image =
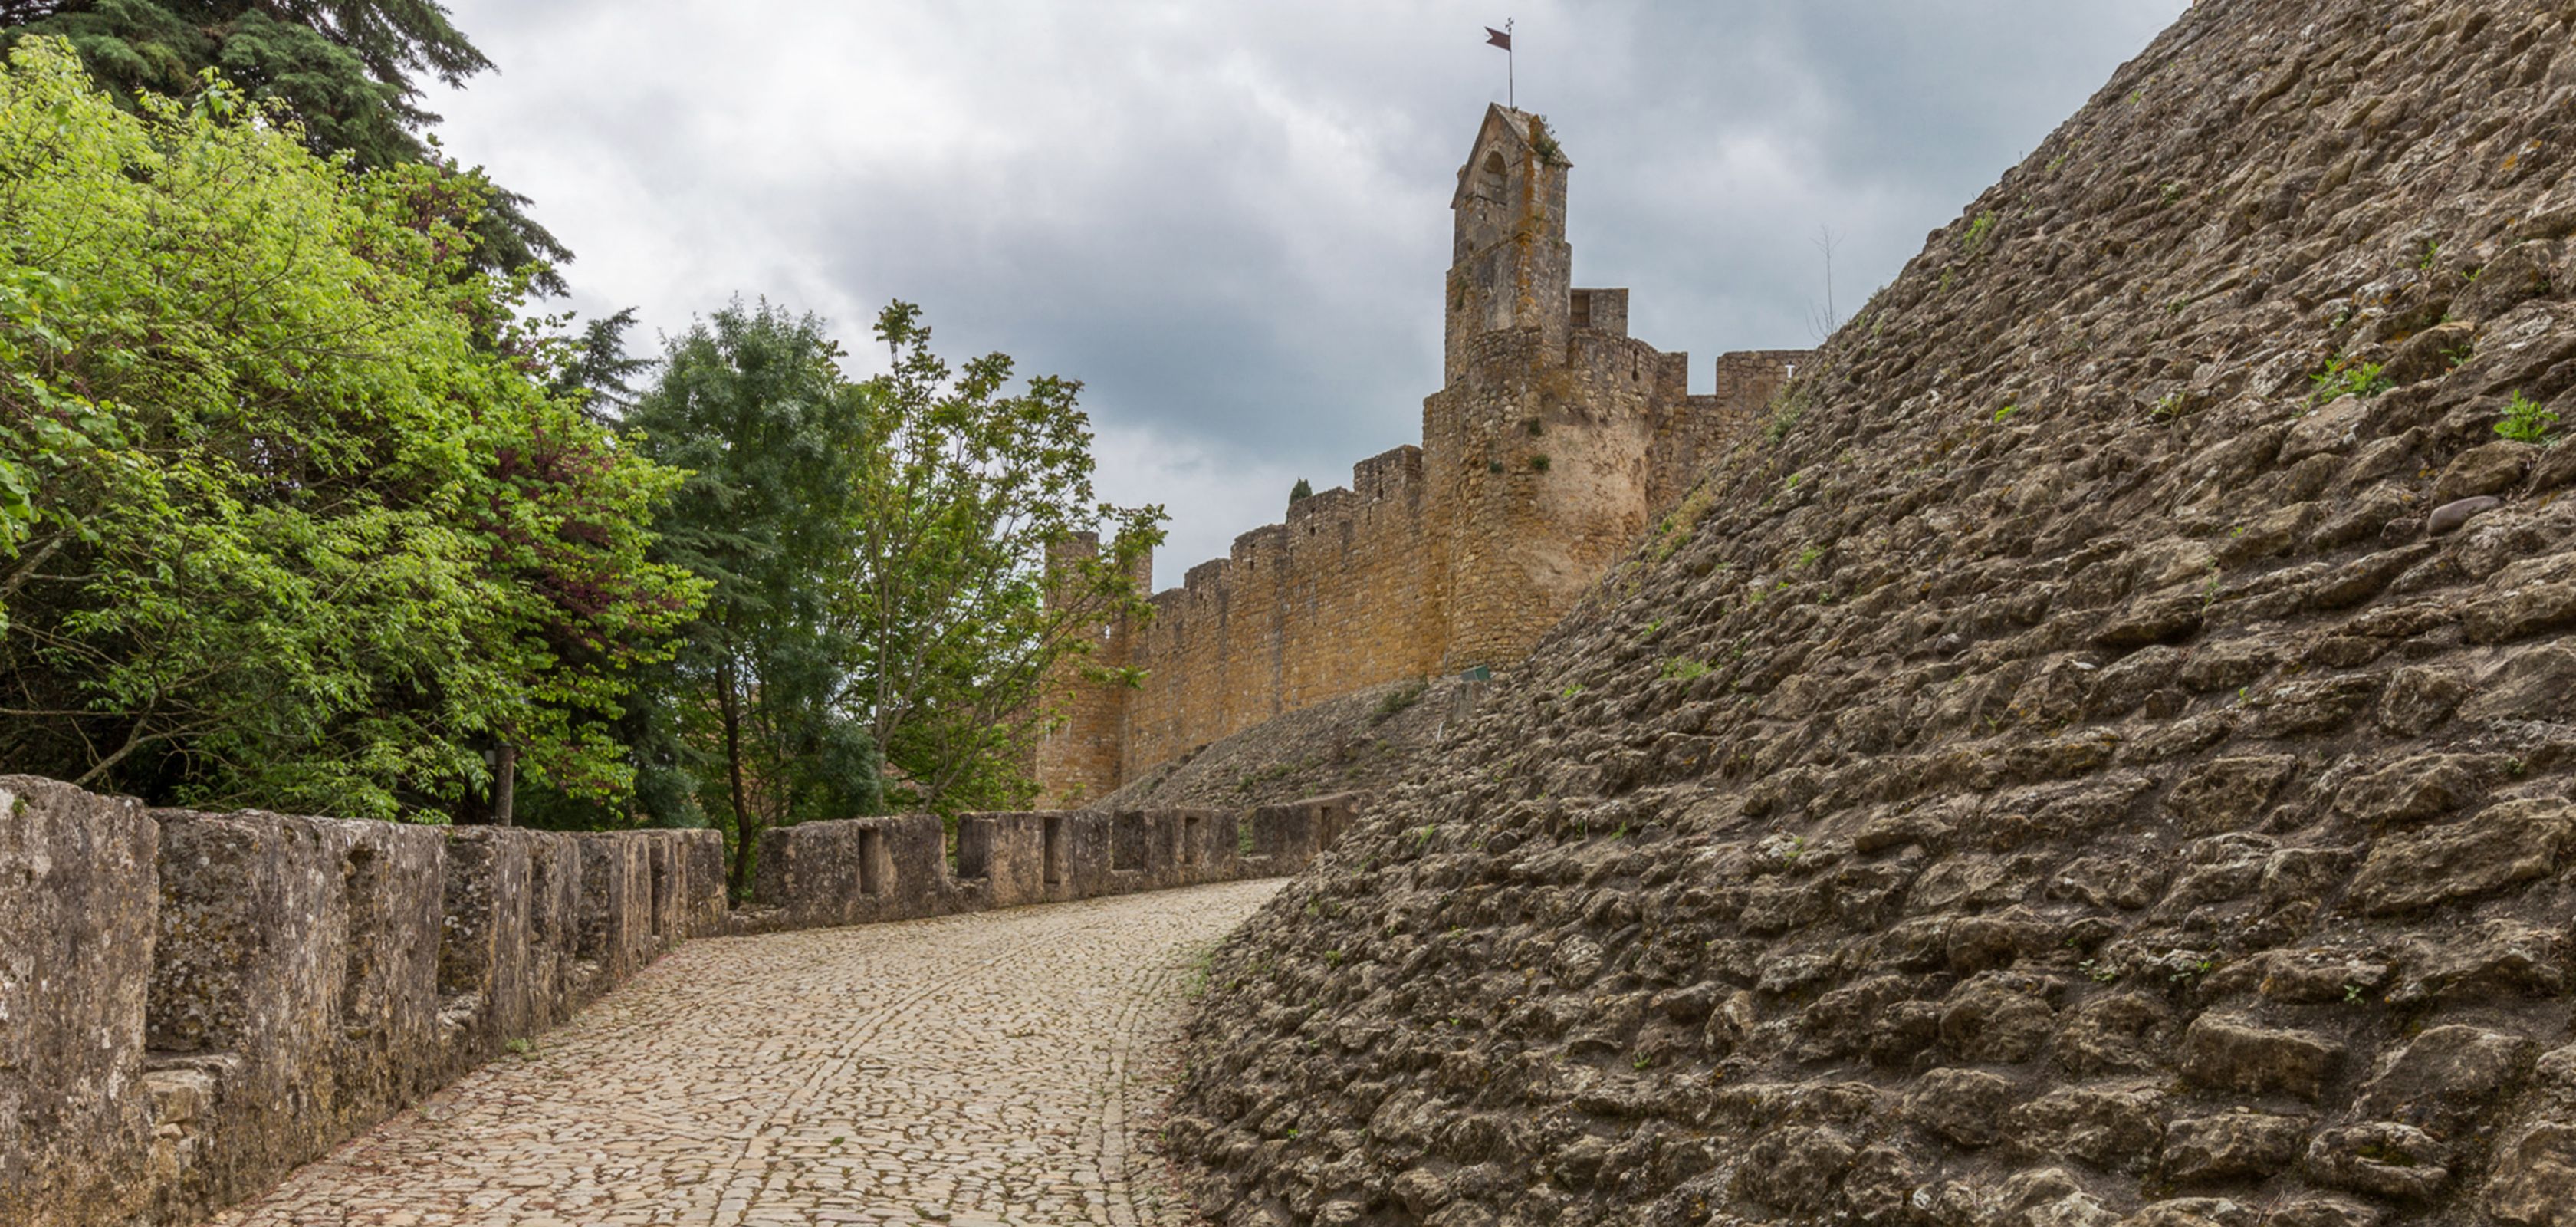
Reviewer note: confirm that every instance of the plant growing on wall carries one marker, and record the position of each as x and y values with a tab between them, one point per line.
1974	241
2525	421
1544	144
2347	376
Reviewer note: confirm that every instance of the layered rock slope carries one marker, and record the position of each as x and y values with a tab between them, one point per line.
2083	766
1364	741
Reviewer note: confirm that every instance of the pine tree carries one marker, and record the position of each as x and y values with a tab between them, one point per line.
600	371
1300	492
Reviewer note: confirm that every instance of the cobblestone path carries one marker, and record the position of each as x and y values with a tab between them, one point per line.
1000	1067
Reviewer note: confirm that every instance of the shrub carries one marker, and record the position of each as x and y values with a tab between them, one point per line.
2345	377
2526	422
1396	701
1979	231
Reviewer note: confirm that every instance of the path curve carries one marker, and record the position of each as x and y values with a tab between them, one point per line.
993	1068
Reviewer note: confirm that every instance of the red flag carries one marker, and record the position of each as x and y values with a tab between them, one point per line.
1498	38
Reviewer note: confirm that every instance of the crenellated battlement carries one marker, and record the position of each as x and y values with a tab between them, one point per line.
1555	437
1395	474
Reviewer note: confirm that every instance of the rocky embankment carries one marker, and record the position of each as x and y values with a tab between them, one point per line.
2101	757
1364	741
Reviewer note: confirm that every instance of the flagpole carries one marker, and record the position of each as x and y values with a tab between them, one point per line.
1511	84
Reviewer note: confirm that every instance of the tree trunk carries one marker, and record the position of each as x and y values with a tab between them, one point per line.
505	784
744	828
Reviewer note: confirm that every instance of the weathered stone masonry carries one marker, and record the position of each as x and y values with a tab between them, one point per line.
192	1004
1555	441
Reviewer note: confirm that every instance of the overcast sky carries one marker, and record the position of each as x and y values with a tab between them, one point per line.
1229	218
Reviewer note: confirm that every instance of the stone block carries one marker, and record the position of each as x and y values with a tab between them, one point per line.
617	932
2448	1079
1283	840
2534	1184
2232	1146
485	971
2233	1054
1335	815
2382	1159
1603	311
77	908
554	925
1143	851
1966	1106
1209	846
296	970
2502	845
703	903
1017	856
2116	1127
856	871
1077	854
1286	837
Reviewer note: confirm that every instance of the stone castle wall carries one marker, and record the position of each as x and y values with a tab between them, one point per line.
1333	600
192	1004
1695	436
1554	441
1538	479
2148	807
1454	554
1090	742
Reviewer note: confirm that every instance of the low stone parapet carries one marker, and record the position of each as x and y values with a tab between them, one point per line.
1284	837
192	1004
858	871
294	973
78	907
1020	857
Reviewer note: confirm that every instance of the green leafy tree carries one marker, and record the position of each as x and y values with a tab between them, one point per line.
284	524
1300	492
347	72
756	728
966	487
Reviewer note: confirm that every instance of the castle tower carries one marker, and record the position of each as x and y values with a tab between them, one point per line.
1510	267
1536	453
1078	757
1555	439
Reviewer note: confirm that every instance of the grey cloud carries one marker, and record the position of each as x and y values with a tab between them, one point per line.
1230	220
